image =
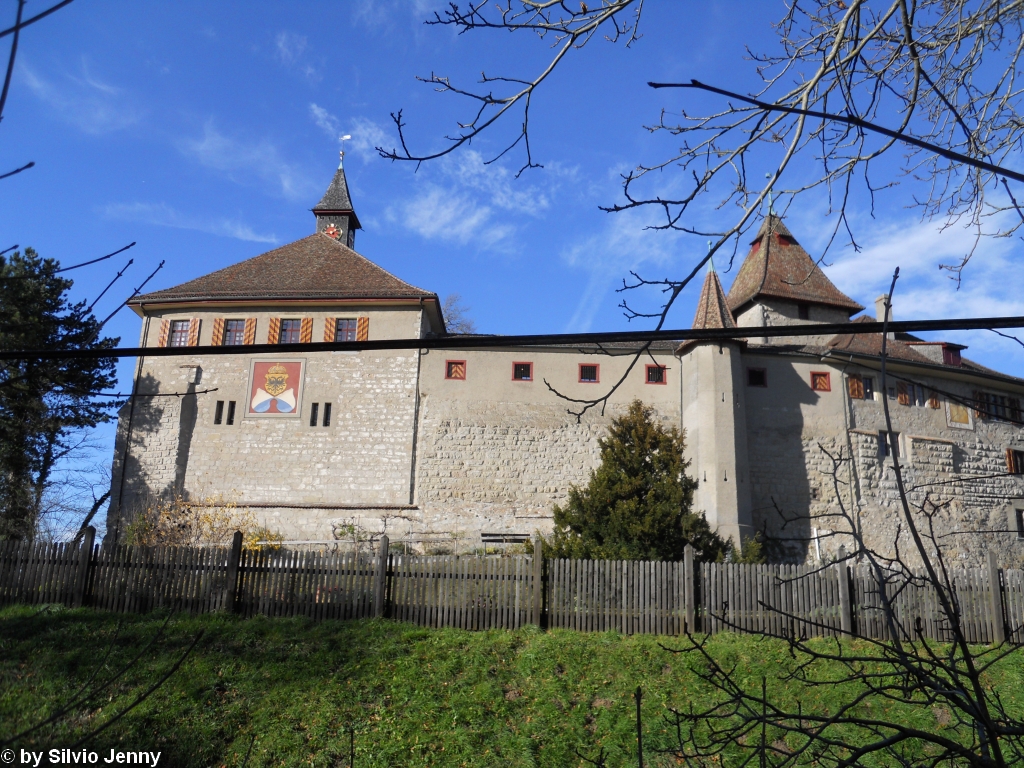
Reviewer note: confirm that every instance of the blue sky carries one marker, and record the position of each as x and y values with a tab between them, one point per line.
206	132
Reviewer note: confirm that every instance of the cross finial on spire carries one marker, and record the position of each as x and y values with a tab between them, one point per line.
341	160
770	211
711	259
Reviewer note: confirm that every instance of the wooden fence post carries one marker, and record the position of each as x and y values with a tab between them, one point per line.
84	562
996	598
688	591
538	581
231	586
845	609
380	580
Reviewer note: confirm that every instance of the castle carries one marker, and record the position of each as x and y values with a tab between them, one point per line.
471	447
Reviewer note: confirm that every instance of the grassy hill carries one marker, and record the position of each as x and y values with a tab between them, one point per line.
415	697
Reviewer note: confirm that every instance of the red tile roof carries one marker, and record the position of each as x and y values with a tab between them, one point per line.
778	267
315	267
712	308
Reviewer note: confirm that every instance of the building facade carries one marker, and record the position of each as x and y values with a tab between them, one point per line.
457	449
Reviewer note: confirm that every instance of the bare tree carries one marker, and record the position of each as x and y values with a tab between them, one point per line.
456	315
919	93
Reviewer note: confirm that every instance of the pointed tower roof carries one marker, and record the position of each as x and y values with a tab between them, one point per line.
337	199
712	309
777	266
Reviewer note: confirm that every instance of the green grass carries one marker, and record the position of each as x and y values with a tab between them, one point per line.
415	697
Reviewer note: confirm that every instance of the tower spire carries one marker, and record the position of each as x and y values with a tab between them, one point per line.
335	215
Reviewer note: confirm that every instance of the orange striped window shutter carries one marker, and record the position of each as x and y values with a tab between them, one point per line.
306	330
193	331
250	330
902	394
218	332
330	328
363	329
165	331
855	386
274	331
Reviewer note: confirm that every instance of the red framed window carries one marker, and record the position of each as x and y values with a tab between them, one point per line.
455	370
821	381
590	373
657	374
522	371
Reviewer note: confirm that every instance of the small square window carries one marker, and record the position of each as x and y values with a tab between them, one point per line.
455	370
179	333
291	332
656	374
891	392
345	329
522	371
234	333
821	381
589	373
757	377
803	311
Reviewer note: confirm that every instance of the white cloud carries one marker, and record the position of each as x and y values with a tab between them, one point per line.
327	122
383	13
622	245
160	214
238	159
366	137
290	47
94	106
466	202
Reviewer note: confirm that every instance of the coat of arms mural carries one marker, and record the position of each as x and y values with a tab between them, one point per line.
275	388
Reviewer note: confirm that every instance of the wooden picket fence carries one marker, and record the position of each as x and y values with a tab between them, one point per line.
632	597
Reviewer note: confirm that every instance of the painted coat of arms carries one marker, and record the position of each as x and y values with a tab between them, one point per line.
275	388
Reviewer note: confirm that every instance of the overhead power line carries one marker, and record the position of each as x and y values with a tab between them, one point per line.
536	340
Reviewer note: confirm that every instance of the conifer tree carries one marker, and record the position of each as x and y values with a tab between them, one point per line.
638	504
43	403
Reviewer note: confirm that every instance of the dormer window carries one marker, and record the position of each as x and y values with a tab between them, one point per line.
951	355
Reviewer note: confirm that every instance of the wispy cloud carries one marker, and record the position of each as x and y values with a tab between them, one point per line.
466	202
622	245
290	49
327	122
240	159
366	134
161	214
92	105
384	13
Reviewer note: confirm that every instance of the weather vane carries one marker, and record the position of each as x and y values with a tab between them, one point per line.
770	211
344	138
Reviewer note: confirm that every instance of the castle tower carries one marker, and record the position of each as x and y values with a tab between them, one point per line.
714	418
334	213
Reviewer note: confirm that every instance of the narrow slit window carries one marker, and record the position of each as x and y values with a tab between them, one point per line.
889	443
327	414
314	414
757	377
522	371
821	381
455	370
869	388
1018	515
656	374
231	412
218	412
589	373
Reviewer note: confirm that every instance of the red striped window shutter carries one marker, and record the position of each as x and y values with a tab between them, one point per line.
165	331
250	330
218	332
363	329
193	332
306	330
330	328
1011	462
274	332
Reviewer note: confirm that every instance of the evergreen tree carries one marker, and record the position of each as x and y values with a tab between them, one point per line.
43	403
638	503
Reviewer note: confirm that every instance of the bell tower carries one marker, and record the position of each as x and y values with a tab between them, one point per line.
335	216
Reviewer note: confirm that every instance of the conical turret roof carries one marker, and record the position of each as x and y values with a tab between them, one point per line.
777	266
712	307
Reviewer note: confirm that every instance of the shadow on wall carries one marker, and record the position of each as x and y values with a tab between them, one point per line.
780	490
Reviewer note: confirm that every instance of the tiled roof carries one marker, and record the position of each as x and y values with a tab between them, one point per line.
712	308
315	267
336	198
778	267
